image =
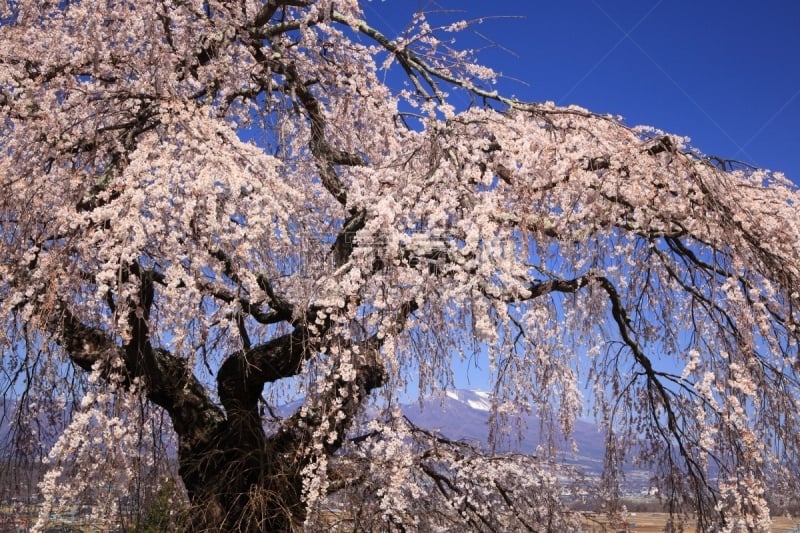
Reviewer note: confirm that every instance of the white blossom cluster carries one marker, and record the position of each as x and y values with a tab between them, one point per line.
417	480
98	457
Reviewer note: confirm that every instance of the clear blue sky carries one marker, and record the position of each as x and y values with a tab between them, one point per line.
725	73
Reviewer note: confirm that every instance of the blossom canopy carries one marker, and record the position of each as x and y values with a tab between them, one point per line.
202	200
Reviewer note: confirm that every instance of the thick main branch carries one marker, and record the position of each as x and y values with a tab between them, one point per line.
167	381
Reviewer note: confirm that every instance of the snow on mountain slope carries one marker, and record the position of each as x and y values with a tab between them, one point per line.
464	415
480	400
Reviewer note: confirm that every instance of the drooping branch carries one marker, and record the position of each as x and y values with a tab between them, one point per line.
659	396
318	143
501	492
167	380
342	402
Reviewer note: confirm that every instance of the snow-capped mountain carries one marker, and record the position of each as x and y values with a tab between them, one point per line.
480	400
464	415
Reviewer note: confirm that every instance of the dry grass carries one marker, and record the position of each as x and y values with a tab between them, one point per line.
654	523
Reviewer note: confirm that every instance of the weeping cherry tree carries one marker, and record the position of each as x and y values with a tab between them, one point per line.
205	203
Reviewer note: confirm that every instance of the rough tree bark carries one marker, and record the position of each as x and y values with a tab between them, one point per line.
238	478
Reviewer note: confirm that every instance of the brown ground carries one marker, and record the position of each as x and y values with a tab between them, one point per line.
654	523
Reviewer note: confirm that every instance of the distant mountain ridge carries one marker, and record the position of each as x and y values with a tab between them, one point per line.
462	414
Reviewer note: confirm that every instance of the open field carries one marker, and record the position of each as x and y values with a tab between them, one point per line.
654	523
